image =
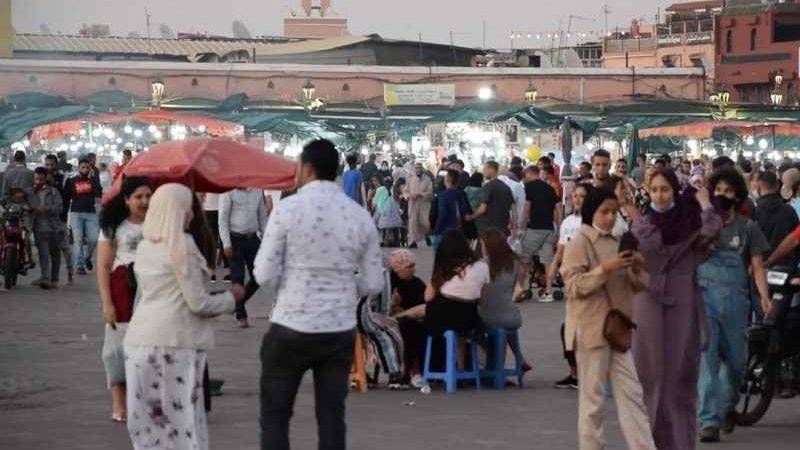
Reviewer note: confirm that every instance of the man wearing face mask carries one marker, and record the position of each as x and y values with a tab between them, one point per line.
723	278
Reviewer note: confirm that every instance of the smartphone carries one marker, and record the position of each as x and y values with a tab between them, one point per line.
628	243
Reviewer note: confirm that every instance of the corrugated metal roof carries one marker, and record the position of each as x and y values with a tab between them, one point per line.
170	47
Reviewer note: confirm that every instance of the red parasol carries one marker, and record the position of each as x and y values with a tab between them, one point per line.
210	165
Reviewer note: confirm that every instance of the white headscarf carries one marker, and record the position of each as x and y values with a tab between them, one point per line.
164	224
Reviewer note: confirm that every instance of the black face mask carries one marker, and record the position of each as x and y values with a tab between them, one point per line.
724	203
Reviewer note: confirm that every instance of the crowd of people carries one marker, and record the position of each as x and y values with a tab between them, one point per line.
675	250
662	268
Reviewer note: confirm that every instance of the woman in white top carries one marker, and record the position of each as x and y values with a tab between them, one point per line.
167	339
570	227
457	283
120	232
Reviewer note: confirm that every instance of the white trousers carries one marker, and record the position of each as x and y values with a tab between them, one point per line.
595	367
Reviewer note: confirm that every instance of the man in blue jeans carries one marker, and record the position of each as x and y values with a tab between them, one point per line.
242	218
319	255
81	192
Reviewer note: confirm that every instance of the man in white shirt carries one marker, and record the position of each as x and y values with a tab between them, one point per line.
242	219
319	255
518	191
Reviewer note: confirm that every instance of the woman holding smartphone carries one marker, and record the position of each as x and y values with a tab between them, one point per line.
602	277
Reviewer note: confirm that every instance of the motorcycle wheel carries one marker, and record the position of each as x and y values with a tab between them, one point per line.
756	390
10	267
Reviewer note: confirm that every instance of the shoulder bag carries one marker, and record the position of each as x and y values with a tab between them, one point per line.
617	327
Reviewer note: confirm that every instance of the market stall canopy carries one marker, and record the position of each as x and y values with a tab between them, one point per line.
35	100
214	127
112	99
210	165
16	124
706	129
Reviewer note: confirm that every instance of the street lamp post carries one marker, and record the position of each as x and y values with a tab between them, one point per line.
531	93
776	97
157	89
308	90
721	97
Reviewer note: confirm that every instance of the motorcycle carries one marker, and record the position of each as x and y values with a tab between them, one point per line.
13	241
772	346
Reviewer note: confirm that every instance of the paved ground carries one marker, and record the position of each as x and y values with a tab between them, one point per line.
52	392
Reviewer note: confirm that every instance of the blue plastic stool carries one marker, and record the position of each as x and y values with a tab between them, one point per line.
497	370
451	375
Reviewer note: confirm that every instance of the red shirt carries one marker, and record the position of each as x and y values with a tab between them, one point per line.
796	232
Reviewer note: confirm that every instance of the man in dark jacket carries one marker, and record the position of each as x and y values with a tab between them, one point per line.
17	175
47	227
773	215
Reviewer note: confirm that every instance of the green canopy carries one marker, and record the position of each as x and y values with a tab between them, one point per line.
16	123
35	100
111	99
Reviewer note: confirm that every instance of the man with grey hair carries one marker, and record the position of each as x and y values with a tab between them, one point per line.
419	190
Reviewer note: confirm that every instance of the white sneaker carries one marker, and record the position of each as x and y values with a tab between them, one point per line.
417	381
546	297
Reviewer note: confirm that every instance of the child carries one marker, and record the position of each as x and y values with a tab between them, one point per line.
16	205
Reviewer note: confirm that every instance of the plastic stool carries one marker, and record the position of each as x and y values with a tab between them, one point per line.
451	375
496	369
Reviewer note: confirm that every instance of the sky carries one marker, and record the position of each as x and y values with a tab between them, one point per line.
403	19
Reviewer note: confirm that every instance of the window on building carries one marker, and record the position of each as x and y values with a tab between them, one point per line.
729	41
786	29
753	39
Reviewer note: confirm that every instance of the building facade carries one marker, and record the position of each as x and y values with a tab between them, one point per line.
685	38
756	42
343	83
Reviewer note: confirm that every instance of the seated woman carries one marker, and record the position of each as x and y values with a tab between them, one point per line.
496	307
408	307
458	280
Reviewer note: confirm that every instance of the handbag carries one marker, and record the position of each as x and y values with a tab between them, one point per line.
618	330
123	292
617	327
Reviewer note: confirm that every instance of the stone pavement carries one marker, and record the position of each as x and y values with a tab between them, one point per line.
52	390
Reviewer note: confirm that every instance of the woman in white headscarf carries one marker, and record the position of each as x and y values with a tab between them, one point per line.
170	331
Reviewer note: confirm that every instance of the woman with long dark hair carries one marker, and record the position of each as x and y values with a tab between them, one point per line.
457	283
496	307
674	237
120	232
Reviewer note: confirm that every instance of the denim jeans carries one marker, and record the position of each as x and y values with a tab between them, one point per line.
285	356
84	226
245	248
723	279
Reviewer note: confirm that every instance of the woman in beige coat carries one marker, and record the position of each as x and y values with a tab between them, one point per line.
600	277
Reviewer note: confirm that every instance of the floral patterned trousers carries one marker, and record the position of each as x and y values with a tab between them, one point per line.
165	404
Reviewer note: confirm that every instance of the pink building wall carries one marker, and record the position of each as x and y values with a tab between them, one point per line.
80	79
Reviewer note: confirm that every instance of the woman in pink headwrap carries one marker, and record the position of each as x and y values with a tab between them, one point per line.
408	307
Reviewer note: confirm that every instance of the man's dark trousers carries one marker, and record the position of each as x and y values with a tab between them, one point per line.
245	248
286	355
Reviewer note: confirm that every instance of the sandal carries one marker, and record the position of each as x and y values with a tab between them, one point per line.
119	418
